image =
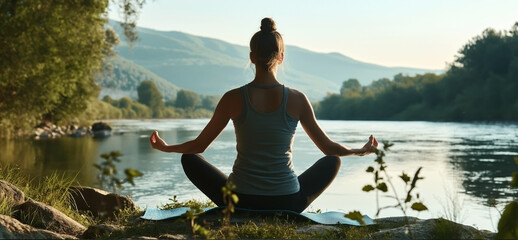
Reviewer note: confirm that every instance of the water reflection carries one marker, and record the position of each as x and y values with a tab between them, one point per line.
70	156
486	166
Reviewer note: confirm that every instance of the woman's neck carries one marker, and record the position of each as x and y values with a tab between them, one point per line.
265	77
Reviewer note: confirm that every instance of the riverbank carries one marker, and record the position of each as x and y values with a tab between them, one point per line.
46	130
96	213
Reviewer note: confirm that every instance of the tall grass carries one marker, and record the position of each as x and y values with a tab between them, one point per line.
13	176
6	207
51	190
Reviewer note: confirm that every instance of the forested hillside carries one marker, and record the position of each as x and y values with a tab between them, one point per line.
123	77
481	85
211	66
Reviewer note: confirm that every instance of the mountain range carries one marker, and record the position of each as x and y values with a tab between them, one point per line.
176	60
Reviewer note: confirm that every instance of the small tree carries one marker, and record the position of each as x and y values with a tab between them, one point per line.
149	95
187	99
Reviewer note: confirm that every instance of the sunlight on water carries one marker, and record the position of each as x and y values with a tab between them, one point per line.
464	164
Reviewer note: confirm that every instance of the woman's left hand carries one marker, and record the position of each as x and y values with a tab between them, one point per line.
157	142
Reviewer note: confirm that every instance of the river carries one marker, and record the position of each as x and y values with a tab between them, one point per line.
464	164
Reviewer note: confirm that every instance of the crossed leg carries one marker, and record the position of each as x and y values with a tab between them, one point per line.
312	182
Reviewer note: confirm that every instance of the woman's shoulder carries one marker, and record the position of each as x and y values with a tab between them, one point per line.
297	103
296	95
233	93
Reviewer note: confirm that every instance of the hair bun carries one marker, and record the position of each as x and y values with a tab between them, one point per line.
268	25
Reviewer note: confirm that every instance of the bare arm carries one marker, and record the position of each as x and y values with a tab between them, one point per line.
216	124
320	138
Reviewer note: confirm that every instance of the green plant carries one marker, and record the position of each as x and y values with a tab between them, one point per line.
196	207
444	229
272	229
508	223
193	203
6	207
382	182
229	199
196	229
108	172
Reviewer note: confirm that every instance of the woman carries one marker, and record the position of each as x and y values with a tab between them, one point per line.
265	115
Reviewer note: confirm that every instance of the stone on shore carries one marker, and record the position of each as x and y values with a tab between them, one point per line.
11	193
100	203
427	229
101	231
11	228
40	215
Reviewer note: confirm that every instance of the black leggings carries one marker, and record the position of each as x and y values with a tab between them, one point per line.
312	182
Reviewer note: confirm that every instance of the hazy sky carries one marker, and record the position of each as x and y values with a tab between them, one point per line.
410	33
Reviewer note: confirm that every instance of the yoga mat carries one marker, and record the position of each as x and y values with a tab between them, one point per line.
327	218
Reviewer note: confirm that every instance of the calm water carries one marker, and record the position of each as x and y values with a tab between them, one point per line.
464	164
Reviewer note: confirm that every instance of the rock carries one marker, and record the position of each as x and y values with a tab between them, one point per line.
40	215
99	126
394	222
11	228
11	193
143	238
432	229
319	229
173	236
101	231
100	203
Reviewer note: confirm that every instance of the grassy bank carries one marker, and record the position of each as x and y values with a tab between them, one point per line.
51	190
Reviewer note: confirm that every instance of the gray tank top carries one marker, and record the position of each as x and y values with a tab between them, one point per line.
264	150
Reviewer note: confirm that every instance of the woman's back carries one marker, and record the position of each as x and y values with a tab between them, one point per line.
264	138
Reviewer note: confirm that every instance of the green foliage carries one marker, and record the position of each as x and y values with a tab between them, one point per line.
351	88
514	177
151	105
124	75
382	184
149	95
51	190
189	203
264	230
131	10
129	109
196	229
97	109
229	199
6	207
108	172
196	207
479	86
209	102
48	62
356	215
508	223
187	99
444	229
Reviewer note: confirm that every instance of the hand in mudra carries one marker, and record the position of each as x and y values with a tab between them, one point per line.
371	146
157	142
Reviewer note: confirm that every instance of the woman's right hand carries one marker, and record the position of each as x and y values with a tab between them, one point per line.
157	142
371	146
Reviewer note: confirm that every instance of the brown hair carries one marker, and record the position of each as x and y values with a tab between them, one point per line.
267	45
